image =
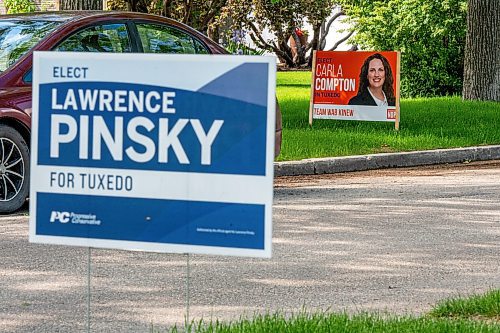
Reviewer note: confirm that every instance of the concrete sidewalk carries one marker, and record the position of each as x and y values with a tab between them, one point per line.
318	166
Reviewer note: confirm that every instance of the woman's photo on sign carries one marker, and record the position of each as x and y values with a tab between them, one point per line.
376	82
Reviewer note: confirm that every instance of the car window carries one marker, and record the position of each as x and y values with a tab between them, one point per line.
18	37
28	77
157	38
99	38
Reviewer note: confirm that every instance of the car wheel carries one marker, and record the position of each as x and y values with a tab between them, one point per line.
14	170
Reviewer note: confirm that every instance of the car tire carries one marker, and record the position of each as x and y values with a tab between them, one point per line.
14	170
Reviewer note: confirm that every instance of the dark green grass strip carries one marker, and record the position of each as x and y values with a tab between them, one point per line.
484	306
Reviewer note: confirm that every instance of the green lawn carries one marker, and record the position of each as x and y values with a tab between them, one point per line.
426	123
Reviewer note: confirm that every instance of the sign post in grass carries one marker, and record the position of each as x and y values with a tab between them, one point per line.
360	85
162	153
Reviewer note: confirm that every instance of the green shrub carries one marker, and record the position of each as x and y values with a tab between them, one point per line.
19	6
429	33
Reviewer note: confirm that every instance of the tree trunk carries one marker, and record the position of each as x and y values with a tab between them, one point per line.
482	51
314	44
81	4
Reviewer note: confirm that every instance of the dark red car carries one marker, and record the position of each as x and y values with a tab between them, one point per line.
80	31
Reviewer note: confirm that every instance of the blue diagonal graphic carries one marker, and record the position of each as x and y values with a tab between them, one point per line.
246	83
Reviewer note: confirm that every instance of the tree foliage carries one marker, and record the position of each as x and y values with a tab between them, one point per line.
199	14
429	33
257	15
319	15
280	19
19	6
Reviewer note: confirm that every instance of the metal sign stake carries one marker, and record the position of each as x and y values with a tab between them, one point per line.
88	289
187	293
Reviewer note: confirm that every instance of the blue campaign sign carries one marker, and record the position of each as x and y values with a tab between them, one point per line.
167	153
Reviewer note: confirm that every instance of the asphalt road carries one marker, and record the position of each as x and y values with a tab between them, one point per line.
393	240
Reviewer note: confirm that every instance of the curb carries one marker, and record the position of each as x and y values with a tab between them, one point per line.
317	166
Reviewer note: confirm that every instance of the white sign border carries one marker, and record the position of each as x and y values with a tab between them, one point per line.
225	61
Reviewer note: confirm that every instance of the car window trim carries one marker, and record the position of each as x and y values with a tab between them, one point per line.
137	38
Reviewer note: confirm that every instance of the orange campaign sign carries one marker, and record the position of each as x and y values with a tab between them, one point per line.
359	85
